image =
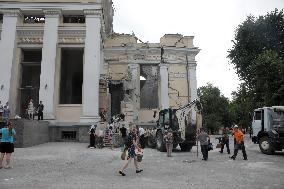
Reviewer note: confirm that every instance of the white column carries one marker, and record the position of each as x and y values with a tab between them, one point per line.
47	76
192	85
92	64
8	46
164	86
135	81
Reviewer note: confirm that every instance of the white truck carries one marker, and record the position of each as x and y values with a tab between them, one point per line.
268	128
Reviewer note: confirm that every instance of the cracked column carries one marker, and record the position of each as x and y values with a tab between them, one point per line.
91	75
135	80
192	84
47	75
8	45
164	86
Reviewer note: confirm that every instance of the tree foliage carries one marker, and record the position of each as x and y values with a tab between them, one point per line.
257	56
215	113
241	106
253	37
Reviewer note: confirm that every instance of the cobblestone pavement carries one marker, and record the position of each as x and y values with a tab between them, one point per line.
73	166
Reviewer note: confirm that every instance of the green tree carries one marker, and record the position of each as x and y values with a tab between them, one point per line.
241	106
257	56
268	79
215	113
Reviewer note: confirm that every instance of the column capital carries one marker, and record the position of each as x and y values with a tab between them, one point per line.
192	65
164	66
52	12
93	13
133	66
11	12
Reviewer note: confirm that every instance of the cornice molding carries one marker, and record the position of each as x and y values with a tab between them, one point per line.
73	40
146	57
167	50
30	33
52	12
72	33
93	12
30	40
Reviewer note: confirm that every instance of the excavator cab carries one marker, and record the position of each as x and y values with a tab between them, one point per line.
168	120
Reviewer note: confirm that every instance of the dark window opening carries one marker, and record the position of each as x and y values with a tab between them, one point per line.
34	19
1	18
175	121
257	115
71	76
148	86
74	19
161	118
30	76
68	135
117	95
32	56
30	79
167	118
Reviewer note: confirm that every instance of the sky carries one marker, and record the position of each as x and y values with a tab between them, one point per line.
211	22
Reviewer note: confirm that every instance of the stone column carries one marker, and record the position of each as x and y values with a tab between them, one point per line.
92	57
8	45
164	86
192	85
47	76
135	94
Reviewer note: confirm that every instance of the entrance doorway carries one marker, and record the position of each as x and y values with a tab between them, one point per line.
71	75
30	79
117	95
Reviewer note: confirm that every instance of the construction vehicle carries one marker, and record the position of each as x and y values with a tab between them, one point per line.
268	129
182	122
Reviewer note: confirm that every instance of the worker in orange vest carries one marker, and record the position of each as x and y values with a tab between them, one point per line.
239	144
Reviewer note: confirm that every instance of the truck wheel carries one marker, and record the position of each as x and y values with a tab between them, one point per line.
160	142
265	145
185	147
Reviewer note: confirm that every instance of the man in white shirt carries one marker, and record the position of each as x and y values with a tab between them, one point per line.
100	138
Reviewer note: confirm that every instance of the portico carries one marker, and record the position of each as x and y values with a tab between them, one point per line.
67	55
49	28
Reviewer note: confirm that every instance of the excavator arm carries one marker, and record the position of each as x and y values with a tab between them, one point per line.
183	115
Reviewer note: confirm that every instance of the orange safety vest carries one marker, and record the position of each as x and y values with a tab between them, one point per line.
239	136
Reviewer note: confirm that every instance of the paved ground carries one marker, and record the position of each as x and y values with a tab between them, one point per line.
72	165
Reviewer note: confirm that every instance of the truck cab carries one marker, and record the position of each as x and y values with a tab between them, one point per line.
268	128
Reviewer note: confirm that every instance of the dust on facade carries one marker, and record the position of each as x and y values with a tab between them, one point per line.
66	54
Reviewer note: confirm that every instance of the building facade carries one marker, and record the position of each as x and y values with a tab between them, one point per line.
66	54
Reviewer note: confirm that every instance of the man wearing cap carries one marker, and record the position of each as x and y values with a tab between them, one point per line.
239	144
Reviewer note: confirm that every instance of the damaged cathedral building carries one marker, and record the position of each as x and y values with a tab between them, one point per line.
66	54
